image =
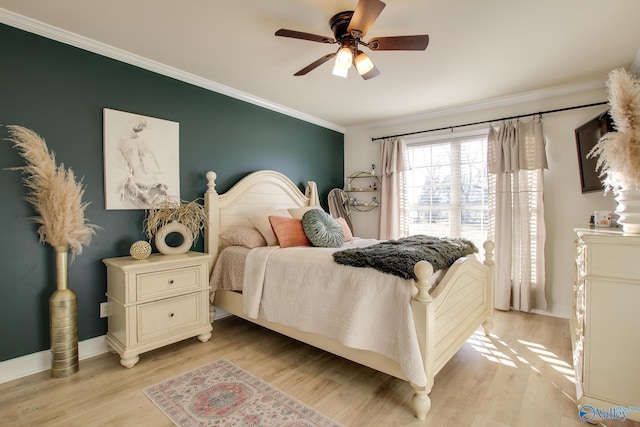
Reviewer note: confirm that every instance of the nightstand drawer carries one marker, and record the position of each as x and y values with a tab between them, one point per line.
164	316
168	282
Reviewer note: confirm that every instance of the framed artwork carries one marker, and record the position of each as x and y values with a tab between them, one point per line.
141	160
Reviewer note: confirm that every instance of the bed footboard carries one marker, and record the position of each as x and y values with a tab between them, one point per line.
445	319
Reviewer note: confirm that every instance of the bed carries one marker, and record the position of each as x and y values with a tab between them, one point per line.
440	320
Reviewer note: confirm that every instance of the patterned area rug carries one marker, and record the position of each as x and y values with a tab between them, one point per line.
222	394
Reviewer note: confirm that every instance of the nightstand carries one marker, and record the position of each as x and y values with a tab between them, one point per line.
156	301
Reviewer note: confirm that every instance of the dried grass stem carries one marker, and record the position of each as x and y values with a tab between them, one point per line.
619	152
53	192
191	214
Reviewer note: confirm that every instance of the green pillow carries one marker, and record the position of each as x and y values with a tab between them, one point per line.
321	229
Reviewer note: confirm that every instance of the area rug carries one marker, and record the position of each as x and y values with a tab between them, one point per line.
223	394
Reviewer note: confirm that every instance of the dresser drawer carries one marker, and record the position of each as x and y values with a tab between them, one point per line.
167	282
157	318
613	260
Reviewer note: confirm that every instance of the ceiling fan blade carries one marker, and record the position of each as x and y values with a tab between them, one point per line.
315	64
304	36
399	43
366	13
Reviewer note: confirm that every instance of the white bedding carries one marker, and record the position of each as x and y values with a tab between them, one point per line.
360	307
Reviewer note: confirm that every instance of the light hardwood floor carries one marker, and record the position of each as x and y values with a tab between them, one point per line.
520	376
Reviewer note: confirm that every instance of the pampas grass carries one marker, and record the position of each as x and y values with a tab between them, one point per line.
53	192
619	152
191	214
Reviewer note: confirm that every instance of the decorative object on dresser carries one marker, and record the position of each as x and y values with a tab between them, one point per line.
222	393
140	249
605	327
618	152
157	302
172	216
57	199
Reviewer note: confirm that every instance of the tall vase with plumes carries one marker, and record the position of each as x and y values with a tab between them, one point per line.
63	315
56	197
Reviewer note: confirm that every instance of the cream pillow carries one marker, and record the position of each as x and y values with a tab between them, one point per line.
260	220
298	212
246	236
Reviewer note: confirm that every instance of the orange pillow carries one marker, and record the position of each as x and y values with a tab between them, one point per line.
288	231
348	236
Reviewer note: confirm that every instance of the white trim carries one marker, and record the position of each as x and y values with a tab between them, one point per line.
557	310
90	45
19	367
37	362
488	104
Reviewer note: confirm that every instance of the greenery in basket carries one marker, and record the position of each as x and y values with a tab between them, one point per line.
191	214
53	192
618	152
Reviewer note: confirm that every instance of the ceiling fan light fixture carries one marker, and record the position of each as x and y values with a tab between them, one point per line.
344	59
340	70
349	28
344	56
363	63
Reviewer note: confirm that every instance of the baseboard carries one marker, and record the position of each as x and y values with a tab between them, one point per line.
19	367
555	311
29	364
37	362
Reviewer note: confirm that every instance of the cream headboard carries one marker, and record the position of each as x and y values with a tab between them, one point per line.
259	191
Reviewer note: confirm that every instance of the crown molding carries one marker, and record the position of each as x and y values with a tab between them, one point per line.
484	105
54	33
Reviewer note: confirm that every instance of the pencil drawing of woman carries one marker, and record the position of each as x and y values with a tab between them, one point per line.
142	185
141	160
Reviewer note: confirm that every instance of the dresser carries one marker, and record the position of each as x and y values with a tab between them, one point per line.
155	302
605	324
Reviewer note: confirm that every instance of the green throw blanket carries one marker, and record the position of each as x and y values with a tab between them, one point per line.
399	256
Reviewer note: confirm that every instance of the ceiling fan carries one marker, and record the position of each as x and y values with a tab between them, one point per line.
348	28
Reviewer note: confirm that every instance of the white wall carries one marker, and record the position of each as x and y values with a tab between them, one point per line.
565	206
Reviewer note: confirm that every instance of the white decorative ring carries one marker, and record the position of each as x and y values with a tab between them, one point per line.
173	227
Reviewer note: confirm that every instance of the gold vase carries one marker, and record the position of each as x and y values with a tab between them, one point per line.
63	316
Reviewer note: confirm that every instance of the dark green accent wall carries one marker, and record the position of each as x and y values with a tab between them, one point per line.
59	91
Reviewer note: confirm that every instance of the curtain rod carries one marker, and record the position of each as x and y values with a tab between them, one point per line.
494	120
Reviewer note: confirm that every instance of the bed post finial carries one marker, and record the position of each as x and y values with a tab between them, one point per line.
488	252
423	271
211	181
212	229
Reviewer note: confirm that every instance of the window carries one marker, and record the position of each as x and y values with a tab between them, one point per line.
447	187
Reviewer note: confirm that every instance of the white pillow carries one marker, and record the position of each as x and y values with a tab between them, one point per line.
297	213
260	220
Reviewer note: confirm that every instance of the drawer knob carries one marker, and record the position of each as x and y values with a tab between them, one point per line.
171	314
171	281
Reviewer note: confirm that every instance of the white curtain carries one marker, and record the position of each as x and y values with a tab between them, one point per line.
393	191
515	160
